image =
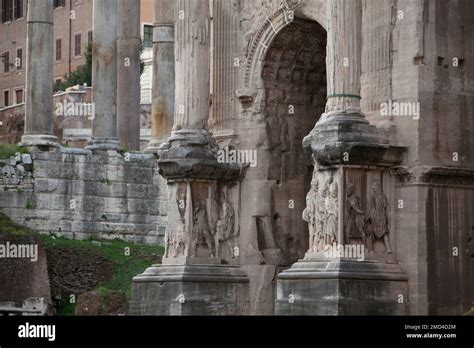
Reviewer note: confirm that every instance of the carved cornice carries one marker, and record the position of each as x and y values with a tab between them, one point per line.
449	176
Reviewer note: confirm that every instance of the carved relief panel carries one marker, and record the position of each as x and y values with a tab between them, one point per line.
322	211
201	222
368	209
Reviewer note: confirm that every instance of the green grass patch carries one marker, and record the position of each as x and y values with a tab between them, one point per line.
9	227
8	150
128	259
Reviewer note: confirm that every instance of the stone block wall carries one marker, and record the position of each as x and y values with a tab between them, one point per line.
77	194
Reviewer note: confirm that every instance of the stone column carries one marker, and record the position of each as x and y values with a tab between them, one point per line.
199	210
128	74
348	206
343	119
344	46
104	76
163	84
39	75
192	65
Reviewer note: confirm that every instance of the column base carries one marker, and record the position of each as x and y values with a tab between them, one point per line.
39	140
192	154
348	138
103	144
154	145
190	290
342	287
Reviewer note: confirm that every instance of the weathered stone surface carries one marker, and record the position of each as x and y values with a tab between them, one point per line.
190	290
340	287
74	194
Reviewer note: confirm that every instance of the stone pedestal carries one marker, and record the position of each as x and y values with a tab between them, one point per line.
350	267
194	279
342	287
191	289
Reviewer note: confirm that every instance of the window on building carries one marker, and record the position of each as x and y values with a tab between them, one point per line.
6	98
77	45
148	36
59	3
19	59
19	96
89	37
58	49
6	62
18	11
7	10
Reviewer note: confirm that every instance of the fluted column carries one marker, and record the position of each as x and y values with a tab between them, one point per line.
343	122
39	75
128	79
192	64
344	45
104	76
163	84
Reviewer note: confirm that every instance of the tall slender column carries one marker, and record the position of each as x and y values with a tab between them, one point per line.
192	65
163	84
344	45
104	76
39	75
128	74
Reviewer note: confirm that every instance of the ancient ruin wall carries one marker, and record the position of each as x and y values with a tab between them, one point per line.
76	194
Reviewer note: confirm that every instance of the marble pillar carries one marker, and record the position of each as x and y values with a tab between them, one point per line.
163	84
39	75
104	76
128	74
193	278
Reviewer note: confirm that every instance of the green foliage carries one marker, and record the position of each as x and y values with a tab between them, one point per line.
8	150
105	181
126	265
83	74
9	227
129	259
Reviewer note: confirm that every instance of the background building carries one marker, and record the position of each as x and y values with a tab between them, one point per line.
72	33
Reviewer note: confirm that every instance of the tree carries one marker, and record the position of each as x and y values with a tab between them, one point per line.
82	75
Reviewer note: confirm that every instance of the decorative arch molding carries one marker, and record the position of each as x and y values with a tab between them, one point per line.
258	46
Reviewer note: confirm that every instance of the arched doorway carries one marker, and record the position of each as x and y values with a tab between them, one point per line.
293	73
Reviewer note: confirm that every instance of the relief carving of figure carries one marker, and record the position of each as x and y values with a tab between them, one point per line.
201	231
331	226
378	216
356	226
177	242
310	214
315	213
225	230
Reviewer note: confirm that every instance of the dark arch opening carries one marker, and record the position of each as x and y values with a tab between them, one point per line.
294	76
